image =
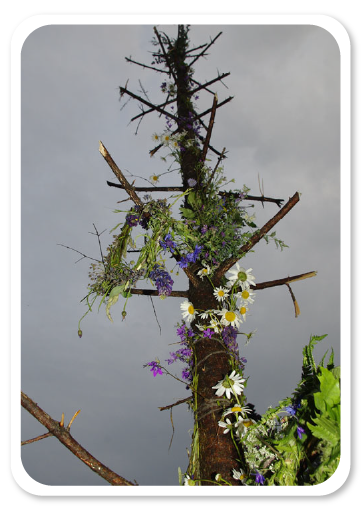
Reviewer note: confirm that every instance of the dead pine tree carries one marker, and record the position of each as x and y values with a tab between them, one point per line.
213	452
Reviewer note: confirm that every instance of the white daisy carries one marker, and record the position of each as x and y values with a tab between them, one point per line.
166	139
230	384
239	474
240	276
226	425
243	410
215	326
243	425
205	314
154	179
204	271
156	138
230	318
243	311
189	313
220	293
247	296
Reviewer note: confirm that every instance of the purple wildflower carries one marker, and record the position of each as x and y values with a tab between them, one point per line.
300	432
292	410
229	335
259	478
168	243
183	263
162	280
192	182
208	333
204	229
155	368
132	219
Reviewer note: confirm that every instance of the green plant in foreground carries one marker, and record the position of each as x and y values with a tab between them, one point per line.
302	447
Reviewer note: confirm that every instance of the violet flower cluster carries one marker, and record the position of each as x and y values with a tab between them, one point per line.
135	217
229	336
184	354
162	280
292	410
191	257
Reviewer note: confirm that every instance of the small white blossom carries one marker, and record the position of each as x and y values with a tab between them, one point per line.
220	293
232	384
188	311
240	276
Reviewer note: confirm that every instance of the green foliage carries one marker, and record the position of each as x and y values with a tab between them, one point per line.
302	447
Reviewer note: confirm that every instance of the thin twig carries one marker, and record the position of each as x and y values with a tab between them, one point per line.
84	256
297	309
185	400
100	246
155	314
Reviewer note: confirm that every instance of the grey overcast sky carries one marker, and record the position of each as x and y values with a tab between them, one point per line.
283	125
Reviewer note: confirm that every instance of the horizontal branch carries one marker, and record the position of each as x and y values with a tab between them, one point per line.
64	436
185	400
181	189
153	292
150	188
286	280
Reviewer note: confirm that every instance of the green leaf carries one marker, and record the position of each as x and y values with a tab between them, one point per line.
330	390
116	291
187	213
325	429
111	302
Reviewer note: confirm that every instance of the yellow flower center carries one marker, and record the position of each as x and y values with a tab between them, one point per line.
243	310
245	295
230	316
191	309
166	138
220	293
247	423
236	409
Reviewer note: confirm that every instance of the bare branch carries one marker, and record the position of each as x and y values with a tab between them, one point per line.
63	435
210	127
129	189
81	253
153	292
205	49
165	54
258	236
281	282
185	400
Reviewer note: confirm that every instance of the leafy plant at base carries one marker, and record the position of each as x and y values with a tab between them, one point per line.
302	447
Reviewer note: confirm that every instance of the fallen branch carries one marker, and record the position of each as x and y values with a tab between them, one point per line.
63	435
